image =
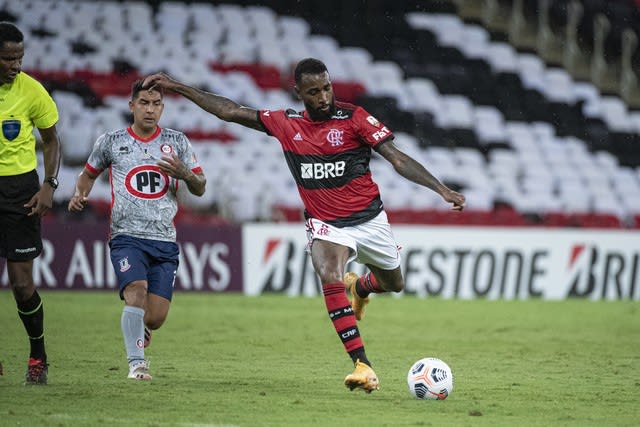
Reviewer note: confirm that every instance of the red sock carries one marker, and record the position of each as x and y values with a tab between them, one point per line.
342	316
368	284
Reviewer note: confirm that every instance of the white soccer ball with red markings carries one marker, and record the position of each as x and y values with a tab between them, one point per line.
430	379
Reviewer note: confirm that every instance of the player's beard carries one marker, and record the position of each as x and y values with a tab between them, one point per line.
318	115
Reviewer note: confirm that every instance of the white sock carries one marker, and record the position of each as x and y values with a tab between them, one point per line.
132	323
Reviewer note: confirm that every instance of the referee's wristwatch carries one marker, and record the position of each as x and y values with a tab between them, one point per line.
52	181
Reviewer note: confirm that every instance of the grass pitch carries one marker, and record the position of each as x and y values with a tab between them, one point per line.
230	360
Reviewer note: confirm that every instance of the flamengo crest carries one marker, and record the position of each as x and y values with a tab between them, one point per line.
335	137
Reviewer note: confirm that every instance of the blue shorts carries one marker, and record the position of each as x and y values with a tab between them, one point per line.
144	259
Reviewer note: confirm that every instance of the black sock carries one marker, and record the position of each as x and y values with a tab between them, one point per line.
32	314
359	354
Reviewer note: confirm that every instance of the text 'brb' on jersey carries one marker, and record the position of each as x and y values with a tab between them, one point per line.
329	161
144	199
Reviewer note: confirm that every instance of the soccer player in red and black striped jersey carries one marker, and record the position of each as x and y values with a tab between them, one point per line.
327	148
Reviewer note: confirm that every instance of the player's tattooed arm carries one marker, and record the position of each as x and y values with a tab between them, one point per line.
412	170
221	107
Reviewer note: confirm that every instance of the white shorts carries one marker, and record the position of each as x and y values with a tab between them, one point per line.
371	242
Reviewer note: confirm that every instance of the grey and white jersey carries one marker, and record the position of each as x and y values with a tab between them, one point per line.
144	199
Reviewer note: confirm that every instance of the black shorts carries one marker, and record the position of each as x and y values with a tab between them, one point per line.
20	238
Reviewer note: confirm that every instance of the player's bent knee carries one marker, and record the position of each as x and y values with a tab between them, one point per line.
396	287
154	322
135	293
22	291
329	277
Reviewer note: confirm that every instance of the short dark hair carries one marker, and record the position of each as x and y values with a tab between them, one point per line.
10	33
137	87
308	66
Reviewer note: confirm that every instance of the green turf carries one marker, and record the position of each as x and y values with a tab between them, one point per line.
229	360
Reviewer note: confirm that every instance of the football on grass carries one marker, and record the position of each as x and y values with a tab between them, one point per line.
430	379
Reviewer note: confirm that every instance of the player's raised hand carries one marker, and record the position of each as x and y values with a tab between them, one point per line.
161	80
77	203
454	197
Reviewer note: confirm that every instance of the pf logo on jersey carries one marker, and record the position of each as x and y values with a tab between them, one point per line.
147	182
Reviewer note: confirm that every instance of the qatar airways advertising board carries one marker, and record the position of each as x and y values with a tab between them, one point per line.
76	256
466	262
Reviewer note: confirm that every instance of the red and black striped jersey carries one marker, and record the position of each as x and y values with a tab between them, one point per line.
329	161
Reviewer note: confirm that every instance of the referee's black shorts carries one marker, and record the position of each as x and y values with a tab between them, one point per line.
20	238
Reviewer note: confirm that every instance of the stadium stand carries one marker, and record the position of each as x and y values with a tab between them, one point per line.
532	138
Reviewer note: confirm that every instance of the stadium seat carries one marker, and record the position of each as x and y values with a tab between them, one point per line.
517	127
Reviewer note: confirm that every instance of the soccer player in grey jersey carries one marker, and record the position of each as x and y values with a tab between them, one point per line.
147	164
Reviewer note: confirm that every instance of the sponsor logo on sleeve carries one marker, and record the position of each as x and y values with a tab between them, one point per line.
373	121
293	114
381	134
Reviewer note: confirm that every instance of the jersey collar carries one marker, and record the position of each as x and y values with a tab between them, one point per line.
141	139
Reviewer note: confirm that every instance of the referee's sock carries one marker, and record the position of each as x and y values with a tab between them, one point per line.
31	312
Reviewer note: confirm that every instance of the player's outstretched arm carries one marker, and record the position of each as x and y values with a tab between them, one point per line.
414	171
84	184
221	107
